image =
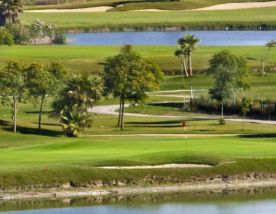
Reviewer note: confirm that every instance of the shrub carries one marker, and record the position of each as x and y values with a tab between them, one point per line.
21	34
6	37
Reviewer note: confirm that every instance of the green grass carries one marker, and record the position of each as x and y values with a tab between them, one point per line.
81	21
89	58
78	59
52	161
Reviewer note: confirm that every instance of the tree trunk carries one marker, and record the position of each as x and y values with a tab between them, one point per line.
14	114
190	64
243	121
40	112
222	113
122	113
184	68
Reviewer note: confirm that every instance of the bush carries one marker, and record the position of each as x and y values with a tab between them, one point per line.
59	38
21	34
221	121
6	37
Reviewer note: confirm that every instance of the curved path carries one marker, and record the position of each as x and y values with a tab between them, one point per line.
111	110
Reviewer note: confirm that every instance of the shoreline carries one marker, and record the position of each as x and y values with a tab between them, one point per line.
187	187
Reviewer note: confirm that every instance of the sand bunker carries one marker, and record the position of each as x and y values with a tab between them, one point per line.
164	166
78	10
235	6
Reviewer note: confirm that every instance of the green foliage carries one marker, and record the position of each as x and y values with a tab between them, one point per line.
43	81
21	34
74	101
13	87
5	37
231	74
10	10
187	45
129	77
75	122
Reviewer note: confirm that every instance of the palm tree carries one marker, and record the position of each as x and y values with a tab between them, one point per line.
189	43
181	54
10	11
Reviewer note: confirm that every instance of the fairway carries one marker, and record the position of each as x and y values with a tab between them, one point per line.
138	20
105	151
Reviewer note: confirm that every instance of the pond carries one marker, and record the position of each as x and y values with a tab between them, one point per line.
247	202
207	38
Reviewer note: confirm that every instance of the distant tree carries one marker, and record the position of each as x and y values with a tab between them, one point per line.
236	65
188	44
43	81
246	104
129	76
270	45
181	54
74	101
5	37
10	11
223	87
13	87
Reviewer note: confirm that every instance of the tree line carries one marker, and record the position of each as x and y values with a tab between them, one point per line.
127	76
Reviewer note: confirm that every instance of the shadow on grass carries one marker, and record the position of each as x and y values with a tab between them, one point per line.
265	135
7	126
37	112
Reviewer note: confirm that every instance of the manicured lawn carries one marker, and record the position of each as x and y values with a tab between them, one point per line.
37	161
74	21
89	58
97	151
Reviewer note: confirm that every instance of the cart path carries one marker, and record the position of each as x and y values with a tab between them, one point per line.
111	110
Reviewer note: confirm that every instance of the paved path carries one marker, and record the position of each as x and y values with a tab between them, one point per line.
111	110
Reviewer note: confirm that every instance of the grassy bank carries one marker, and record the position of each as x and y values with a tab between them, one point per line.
51	161
138	20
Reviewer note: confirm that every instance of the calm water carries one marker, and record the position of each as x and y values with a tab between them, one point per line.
208	38
246	202
256	207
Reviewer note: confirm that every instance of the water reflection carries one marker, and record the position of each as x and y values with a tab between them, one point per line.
253	201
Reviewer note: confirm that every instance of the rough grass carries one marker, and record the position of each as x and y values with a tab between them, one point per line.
86	21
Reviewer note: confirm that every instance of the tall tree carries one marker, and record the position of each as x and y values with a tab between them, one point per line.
43	81
189	43
13	87
223	87
181	54
236	65
10	11
129	76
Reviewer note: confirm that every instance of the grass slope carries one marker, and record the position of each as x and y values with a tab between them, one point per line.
50	161
82	21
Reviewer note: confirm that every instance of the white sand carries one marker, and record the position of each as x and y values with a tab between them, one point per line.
235	6
78	10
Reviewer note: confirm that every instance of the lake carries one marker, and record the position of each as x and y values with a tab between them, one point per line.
240	202
207	38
